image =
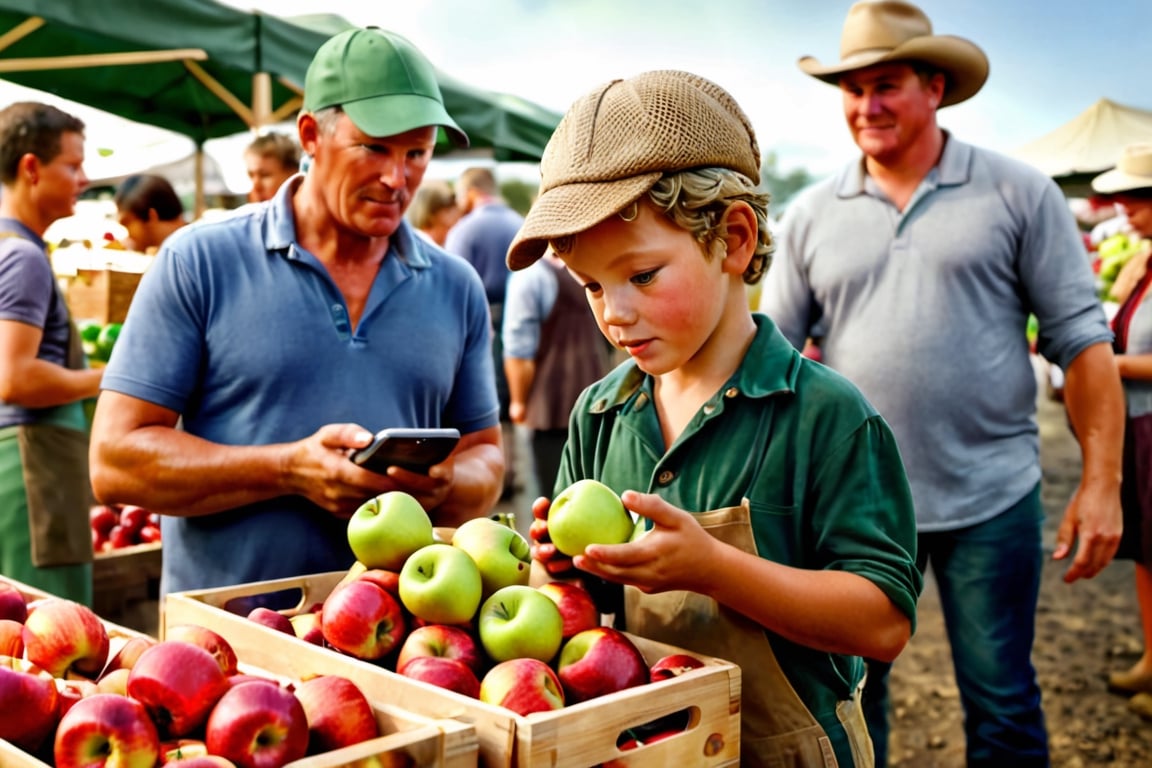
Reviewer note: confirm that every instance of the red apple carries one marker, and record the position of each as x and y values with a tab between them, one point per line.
271	619
200	761
71	691
389	581
128	653
181	749
11	638
440	640
102	518
63	636
673	665
209	640
599	661
149	534
337	711
258	725
443	671
106	729
362	620
246	677
29	701
306	626
114	681
522	685
576	605
12	603
120	537
179	683
133	518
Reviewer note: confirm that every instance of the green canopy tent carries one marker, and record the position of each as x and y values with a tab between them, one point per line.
207	70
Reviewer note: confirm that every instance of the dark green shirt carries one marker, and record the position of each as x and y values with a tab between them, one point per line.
818	464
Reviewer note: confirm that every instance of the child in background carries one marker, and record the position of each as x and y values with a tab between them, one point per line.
781	533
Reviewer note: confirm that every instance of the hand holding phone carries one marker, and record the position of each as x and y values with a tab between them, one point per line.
414	449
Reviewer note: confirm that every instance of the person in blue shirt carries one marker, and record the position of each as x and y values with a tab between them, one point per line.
284	335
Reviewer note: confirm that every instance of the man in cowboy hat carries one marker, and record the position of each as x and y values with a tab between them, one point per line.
921	263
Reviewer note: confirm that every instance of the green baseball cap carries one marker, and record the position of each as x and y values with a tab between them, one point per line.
381	81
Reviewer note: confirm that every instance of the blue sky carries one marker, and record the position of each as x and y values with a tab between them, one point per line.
1050	59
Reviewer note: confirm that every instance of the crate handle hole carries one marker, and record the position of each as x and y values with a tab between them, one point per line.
660	728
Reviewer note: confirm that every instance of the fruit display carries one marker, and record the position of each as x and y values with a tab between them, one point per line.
116	526
81	693
98	339
525	665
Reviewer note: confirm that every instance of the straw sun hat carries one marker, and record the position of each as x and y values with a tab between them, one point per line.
1134	171
878	31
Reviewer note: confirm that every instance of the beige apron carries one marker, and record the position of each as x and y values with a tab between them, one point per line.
776	729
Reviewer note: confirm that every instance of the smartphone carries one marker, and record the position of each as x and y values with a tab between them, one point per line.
414	449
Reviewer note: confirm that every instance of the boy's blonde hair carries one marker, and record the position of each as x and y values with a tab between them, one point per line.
696	201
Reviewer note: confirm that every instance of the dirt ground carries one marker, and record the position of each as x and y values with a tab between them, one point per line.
1084	631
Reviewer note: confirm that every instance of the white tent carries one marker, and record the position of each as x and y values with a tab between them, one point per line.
1088	144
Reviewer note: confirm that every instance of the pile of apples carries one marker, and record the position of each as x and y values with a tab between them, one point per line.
115	526
461	614
181	702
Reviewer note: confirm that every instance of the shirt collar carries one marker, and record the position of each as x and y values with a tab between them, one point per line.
953	169
770	366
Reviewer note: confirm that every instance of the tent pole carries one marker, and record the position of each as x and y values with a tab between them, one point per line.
199	173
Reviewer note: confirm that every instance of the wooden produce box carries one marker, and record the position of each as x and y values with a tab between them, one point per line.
121	577
577	736
102	295
407	738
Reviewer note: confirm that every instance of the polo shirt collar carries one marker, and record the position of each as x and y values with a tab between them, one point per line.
953	169
770	366
280	228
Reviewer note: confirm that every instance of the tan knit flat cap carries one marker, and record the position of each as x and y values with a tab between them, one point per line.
616	142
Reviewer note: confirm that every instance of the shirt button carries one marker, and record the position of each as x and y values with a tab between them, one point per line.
666	477
731	392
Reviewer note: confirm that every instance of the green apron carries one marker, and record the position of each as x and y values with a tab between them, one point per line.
48	546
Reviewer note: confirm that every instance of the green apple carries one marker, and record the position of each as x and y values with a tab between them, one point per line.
520	622
386	529
588	512
501	553
440	584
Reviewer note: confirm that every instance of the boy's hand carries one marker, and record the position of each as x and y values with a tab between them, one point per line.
557	564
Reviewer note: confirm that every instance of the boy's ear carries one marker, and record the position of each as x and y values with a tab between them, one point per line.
742	233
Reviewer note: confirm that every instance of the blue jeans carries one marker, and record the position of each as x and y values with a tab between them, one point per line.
988	577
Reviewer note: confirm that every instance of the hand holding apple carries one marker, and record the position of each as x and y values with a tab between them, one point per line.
588	512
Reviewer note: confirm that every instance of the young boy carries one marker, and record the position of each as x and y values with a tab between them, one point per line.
781	526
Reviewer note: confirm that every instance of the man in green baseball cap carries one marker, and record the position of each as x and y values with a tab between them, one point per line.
287	333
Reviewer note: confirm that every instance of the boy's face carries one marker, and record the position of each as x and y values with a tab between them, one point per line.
653	292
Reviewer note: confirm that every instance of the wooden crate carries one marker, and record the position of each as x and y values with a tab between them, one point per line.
121	577
407	738
576	736
102	295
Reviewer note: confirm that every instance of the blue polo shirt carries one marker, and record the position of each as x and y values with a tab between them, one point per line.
243	332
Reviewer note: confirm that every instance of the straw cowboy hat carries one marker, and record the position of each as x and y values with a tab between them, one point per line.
878	31
1134	171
